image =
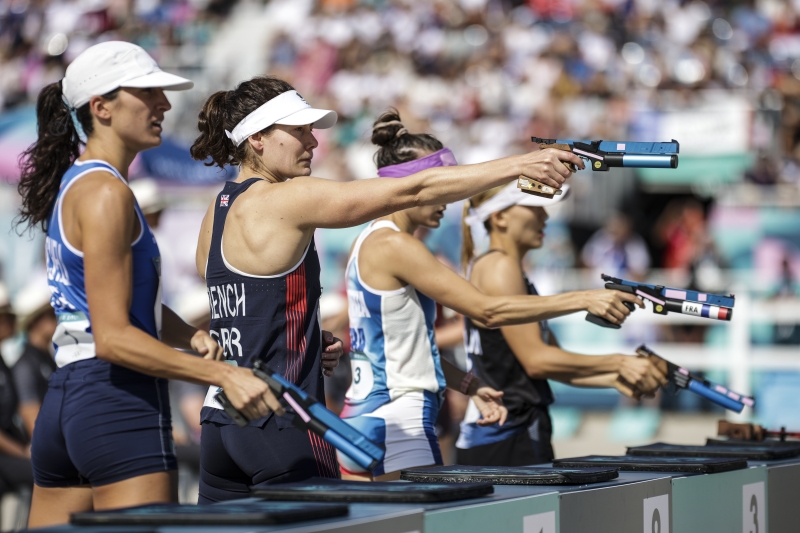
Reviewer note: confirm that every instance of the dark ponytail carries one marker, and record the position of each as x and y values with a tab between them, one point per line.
397	144
56	148
223	111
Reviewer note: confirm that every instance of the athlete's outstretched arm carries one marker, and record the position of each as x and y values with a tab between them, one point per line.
407	259
602	381
319	203
545	361
104	209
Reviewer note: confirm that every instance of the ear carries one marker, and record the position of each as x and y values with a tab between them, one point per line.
499	219
100	107
256	140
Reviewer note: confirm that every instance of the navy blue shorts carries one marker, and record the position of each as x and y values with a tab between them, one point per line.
101	423
234	460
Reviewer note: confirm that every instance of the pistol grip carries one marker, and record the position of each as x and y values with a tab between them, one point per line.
234	413
600	321
531	186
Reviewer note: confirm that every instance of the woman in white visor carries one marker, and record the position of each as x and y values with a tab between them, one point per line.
519	359
256	251
103	436
393	284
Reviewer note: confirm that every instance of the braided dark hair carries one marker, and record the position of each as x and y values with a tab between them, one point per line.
397	145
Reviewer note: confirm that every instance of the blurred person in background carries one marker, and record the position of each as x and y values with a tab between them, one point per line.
269	215
787	290
15	463
103	436
32	371
616	250
187	397
519	359
178	273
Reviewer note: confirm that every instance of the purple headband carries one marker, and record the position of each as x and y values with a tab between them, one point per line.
442	158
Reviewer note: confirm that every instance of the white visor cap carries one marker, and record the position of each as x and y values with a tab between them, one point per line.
510	196
287	109
107	66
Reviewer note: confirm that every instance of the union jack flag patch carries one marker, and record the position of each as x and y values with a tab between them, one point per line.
223	200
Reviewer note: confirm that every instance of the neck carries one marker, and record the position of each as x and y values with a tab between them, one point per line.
502	241
111	150
248	171
402	220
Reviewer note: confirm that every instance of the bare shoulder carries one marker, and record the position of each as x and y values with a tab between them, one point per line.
391	243
102	186
498	274
204	240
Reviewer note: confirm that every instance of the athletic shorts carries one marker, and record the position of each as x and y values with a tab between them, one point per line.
234	460
405	428
101	423
529	445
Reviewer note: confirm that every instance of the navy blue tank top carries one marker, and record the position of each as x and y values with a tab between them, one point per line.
271	318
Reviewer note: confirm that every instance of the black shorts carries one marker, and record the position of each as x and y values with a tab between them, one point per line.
101	423
530	446
234	460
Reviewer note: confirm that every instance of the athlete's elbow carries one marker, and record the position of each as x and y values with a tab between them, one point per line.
535	372
105	347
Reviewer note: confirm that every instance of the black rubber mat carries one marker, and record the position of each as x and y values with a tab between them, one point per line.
332	490
762	453
173	514
632	463
511	475
766	442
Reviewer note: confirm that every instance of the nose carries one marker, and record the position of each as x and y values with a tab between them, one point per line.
162	102
310	141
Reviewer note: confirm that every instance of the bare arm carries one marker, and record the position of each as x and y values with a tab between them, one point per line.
407	259
28	411
318	203
488	401
12	447
178	334
105	216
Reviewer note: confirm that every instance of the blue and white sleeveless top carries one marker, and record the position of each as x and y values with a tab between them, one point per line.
392	340
73	339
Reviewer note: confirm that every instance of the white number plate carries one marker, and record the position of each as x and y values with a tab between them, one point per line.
362	380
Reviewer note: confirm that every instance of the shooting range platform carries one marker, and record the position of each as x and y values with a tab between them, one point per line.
759	497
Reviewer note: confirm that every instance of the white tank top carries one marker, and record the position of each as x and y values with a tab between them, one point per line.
393	347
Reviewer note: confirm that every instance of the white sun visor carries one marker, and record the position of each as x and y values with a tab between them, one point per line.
510	196
288	109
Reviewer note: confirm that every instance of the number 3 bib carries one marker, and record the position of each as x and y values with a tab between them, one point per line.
362	380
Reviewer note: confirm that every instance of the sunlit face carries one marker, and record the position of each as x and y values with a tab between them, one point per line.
427	216
286	151
136	116
525	225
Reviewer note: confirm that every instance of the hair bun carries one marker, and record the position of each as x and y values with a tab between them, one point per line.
387	128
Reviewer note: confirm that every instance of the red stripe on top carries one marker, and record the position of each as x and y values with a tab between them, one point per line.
296	311
723	313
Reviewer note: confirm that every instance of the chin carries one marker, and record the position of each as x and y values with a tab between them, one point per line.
433	223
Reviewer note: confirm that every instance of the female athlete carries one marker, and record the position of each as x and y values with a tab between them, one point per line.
393	284
256	251
519	359
103	434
